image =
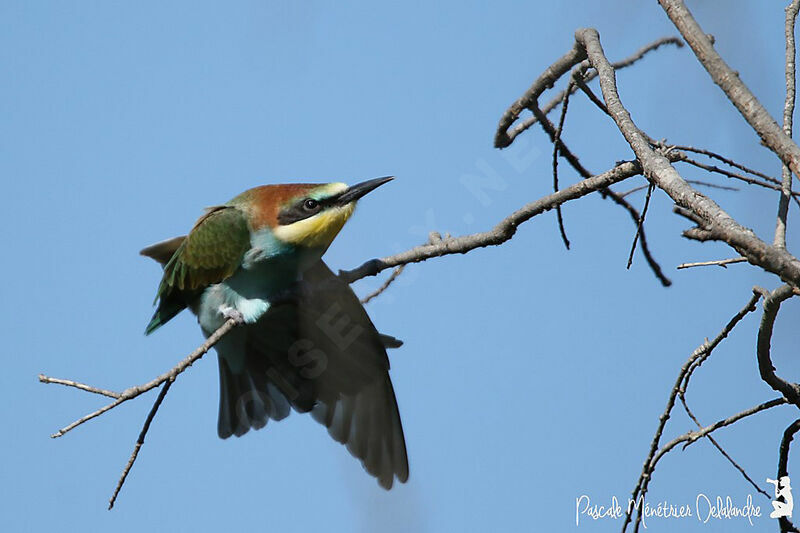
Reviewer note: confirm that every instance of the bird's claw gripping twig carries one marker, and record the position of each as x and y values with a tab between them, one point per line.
231	313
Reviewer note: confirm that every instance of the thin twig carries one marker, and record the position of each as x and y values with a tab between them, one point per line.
580	81
721	450
556	144
77	385
140	441
691	437
502	232
530	100
643	246
639	224
570	157
720	262
561	66
701	353
720	225
133	392
788	114
558	98
737	176
726	160
397	271
565	152
731	84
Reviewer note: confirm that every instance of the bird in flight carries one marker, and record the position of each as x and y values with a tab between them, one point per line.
304	340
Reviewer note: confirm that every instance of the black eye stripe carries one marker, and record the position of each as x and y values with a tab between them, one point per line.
302	209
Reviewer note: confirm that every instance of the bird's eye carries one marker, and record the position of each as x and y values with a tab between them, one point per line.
310	204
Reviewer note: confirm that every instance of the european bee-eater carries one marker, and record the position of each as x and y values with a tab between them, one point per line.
305	341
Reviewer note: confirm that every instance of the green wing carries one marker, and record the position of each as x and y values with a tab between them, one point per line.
211	253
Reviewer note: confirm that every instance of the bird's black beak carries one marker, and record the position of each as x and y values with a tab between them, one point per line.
351	194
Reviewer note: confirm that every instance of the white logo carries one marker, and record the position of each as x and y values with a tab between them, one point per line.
783	503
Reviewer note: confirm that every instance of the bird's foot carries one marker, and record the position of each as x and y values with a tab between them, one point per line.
231	313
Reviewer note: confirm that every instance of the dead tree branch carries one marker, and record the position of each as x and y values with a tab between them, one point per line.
772	304
639	224
556	144
721	262
734	88
719	447
558	98
133	392
694	361
788	115
734	175
783	468
502	232
377	292
570	157
719	225
140	441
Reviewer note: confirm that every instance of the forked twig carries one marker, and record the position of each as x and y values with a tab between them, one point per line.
639	224
697	357
556	144
133	392
140	441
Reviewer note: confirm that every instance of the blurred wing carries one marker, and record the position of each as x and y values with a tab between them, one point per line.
324	355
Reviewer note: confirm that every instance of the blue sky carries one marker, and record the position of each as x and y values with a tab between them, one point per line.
530	374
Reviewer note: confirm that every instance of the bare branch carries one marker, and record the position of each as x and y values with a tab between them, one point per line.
772	304
133	392
140	441
728	80
556	144
531	96
727	161
783	466
578	77
502	232
558	98
639	224
752	181
548	127
397	271
788	115
691	437
719	447
565	152
81	386
694	361
658	168
720	262
644	247
530	100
